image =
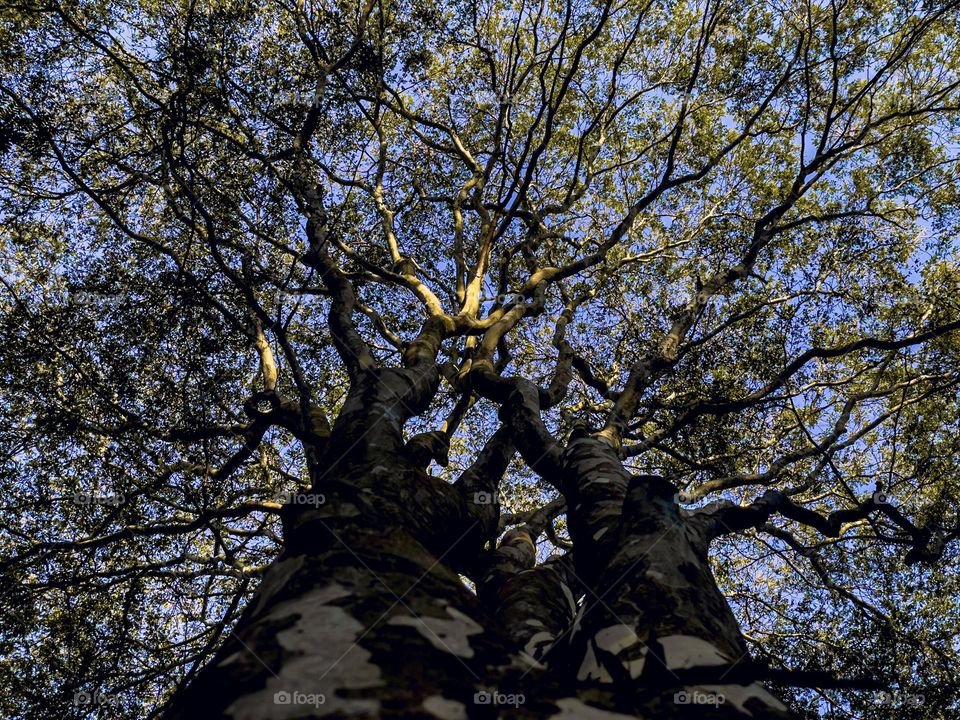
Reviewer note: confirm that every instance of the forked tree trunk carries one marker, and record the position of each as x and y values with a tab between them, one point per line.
364	614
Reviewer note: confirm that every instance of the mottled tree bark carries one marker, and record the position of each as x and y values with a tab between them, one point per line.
365	615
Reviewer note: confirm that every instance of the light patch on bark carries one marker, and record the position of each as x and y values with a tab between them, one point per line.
576	618
598	480
450	636
613	639
635	666
590	669
738	695
527	661
276	579
689	651
569	596
445	709
230	659
536	641
616	638
599	533
325	659
574	709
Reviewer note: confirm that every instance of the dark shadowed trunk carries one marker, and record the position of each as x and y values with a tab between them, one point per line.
365	613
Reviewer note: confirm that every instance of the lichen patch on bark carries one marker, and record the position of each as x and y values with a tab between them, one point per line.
688	651
616	638
324	658
451	636
537	641
275	579
590	669
445	709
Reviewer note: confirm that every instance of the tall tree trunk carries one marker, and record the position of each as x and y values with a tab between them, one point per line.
364	614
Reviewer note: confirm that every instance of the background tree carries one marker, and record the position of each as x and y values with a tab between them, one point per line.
603	354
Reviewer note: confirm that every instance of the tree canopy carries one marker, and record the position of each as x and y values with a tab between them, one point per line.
721	237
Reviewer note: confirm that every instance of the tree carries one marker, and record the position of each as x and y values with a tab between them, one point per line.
480	359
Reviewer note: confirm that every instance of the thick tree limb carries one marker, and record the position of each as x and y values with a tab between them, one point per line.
726	518
519	401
